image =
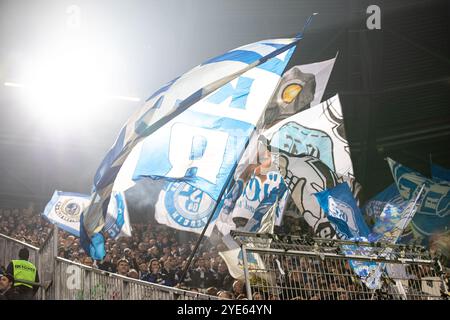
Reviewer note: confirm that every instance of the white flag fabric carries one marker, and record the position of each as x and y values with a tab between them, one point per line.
300	88
64	209
305	175
234	259
319	132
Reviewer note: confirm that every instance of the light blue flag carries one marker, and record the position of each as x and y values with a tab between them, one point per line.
433	215
65	208
440	174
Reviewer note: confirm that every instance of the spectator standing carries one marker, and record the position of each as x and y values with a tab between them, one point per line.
22	269
106	264
123	267
154	275
202	276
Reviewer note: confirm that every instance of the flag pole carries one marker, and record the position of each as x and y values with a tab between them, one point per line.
219	198
259	124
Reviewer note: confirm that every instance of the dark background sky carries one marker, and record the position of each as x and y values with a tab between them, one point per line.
394	82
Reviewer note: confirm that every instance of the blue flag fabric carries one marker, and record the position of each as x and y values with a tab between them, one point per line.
440	174
387	209
342	211
394	219
198	150
94	245
374	207
433	215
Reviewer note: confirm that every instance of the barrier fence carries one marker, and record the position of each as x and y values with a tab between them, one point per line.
74	281
62	279
275	267
295	268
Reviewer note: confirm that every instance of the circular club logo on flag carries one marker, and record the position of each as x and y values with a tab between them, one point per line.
186	205
68	210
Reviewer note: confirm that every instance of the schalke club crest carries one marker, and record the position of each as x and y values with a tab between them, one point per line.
68	210
187	205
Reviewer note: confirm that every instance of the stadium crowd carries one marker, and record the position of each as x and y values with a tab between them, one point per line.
158	254
154	253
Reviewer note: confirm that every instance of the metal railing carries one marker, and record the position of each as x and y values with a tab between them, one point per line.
74	281
9	250
62	279
295	268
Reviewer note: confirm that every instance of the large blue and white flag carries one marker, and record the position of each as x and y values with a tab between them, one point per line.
208	80
65	208
203	144
440	174
433	215
197	151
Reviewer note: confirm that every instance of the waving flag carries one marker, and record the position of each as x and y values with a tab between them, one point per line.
394	219
246	204
319	132
209	80
199	149
387	209
234	259
304	176
343	212
433	215
374	207
440	174
203	144
300	88
65	208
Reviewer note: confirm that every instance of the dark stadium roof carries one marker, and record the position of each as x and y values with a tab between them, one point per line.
393	83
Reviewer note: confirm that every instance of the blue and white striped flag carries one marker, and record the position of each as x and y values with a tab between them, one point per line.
213	83
433	215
